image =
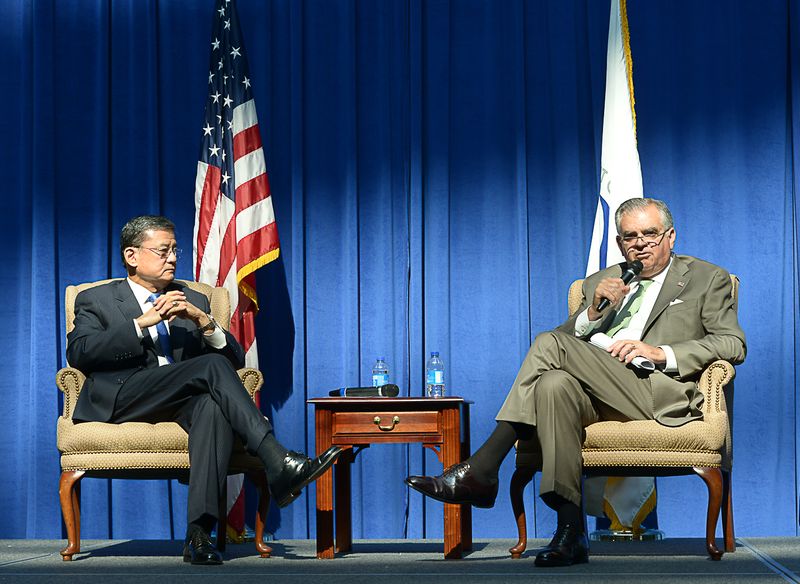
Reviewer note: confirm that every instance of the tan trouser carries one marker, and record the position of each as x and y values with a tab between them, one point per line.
564	385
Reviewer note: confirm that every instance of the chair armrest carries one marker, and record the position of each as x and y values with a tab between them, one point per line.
712	381
715	408
252	379
70	381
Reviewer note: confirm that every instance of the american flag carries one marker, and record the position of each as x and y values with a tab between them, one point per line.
234	227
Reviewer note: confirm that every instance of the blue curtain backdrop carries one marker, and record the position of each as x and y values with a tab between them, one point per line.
434	168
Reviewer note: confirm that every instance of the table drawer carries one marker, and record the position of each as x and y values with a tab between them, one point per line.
346	423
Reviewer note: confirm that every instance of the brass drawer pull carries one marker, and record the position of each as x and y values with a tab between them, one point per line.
377	422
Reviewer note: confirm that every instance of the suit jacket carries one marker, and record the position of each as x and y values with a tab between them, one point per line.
695	315
105	347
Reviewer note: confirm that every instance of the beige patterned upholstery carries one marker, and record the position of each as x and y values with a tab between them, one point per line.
646	448
138	449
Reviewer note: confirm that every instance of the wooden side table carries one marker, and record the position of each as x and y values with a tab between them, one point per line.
441	424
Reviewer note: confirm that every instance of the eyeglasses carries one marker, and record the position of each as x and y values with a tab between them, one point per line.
165	253
650	240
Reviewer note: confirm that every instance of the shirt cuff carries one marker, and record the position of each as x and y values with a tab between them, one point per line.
671	366
584	326
216	339
139	332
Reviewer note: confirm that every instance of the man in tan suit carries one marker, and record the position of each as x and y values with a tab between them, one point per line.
677	313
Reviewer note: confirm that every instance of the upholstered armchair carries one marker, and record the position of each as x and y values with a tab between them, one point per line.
646	448
138	450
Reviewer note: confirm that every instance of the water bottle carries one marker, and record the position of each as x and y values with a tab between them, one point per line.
434	376
380	372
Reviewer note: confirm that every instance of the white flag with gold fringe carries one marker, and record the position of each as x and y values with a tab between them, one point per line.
625	501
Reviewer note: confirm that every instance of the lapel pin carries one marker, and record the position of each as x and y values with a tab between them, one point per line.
680	284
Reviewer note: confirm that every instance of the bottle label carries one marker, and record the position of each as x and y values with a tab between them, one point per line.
435	377
379	379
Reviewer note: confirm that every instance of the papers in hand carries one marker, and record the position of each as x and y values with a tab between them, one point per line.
603	341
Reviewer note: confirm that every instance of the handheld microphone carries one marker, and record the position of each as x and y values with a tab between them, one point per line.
631	271
386	390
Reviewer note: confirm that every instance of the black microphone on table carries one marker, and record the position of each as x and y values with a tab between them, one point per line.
386	390
631	271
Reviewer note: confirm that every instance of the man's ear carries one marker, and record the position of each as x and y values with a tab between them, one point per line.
130	257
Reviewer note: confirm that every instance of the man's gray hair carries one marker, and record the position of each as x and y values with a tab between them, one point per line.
134	232
640	204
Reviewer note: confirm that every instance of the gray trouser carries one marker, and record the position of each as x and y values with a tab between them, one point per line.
564	385
205	396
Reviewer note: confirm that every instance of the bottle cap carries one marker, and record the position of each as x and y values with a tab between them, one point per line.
381	358
434	353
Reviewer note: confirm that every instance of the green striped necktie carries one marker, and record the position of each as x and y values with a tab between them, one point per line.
624	316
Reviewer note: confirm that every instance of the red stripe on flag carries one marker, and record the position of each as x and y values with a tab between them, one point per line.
257	244
208	205
236	514
227	251
253	191
243	322
246	141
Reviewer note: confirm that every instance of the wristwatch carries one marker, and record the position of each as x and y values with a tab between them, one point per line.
210	326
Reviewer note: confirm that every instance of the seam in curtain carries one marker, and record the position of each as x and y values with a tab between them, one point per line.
793	121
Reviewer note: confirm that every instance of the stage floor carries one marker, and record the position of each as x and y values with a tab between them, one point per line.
401	561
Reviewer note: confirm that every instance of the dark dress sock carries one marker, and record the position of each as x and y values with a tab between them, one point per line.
272	453
205	523
487	459
568	513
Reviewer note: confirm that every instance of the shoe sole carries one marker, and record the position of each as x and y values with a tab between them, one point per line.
481	504
311	478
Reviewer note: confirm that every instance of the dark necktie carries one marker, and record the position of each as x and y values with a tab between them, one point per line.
163	333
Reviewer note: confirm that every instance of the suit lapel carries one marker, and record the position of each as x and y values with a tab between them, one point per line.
130	309
126	301
676	281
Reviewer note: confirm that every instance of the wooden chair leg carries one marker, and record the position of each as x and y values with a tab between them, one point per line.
713	480
259	479
68	493
727	512
519	480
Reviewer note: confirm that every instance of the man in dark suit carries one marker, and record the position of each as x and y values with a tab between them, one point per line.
151	352
678	313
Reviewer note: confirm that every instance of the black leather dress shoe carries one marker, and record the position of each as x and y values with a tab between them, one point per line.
298	471
458	484
199	550
568	546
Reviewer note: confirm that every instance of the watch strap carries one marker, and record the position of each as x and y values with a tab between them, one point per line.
210	326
